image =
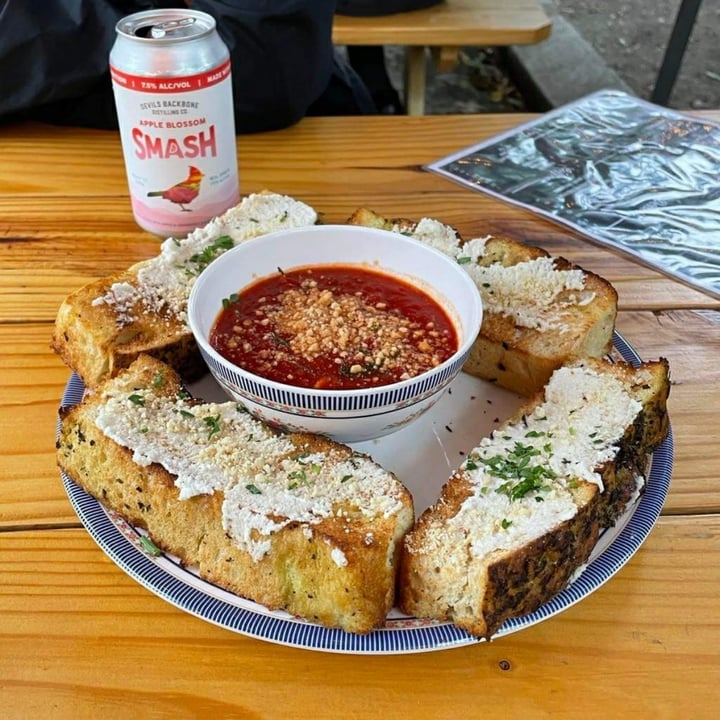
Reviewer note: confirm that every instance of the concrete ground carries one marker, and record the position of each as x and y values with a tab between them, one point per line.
593	45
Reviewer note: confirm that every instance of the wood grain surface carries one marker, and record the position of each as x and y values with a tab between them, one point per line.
90	640
81	639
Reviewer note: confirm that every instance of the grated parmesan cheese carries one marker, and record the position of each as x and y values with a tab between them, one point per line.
338	557
163	283
267	483
523	474
434	233
533	293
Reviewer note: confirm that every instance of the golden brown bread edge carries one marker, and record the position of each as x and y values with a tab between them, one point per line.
522	359
91	342
299	574
96	339
514	358
518	582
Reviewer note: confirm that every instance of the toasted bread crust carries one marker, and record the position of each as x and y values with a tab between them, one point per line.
521	358
300	572
102	327
90	340
485	590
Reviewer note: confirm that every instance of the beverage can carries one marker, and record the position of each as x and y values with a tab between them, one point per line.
172	85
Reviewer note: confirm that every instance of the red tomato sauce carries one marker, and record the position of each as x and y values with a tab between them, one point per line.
335	327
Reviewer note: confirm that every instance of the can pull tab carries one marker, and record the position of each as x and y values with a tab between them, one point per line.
162	29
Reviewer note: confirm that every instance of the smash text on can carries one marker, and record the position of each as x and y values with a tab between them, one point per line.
177	128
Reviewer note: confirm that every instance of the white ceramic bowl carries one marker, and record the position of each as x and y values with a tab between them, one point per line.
344	415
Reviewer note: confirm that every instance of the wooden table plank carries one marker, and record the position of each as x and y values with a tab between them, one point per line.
79	638
107	642
71	256
34	166
37	163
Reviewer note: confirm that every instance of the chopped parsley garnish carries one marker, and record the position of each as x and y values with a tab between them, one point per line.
202	259
506	523
213	424
149	546
159	379
254	489
298	475
136	399
230	300
516	468
464	260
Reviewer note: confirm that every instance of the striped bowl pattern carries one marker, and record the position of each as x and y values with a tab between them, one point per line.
293	399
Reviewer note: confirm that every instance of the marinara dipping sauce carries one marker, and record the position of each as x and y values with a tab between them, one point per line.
334	326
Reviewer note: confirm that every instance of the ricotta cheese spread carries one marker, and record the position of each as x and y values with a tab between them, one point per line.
534	293
524	473
266	481
163	283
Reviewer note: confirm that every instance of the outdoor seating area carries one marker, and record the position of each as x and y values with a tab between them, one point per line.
352	414
440	31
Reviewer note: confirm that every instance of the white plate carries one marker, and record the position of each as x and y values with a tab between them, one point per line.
422	455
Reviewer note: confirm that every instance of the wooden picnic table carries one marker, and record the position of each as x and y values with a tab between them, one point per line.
81	638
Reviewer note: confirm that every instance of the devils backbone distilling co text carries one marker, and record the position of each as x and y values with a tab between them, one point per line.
173	93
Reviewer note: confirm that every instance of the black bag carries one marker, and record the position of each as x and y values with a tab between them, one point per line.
54	55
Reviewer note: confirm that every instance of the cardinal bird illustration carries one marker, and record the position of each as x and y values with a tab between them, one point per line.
183	192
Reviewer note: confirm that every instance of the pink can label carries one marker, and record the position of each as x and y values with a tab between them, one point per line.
178	139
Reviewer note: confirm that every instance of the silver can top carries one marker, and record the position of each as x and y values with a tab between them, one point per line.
168	25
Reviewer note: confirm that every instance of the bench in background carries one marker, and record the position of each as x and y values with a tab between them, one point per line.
444	29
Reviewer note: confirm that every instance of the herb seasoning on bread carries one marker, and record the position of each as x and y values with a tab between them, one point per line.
522	514
295	522
538	311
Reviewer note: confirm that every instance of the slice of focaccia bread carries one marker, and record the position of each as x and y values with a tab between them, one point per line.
105	325
290	521
538	311
522	514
